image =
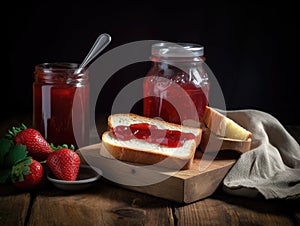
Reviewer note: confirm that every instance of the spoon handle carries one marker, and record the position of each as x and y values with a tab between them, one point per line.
102	41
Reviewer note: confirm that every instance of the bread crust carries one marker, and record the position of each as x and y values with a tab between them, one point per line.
141	156
146	158
217	123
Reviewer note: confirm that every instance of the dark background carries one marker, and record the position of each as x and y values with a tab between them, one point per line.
251	49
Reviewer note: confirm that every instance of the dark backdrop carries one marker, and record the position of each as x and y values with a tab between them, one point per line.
251	49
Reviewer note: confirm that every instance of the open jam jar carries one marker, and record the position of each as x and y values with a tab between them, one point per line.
61	103
176	89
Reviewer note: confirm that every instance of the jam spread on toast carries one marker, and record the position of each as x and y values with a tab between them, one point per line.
152	134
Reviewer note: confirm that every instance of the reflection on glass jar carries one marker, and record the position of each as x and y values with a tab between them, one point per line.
176	88
61	103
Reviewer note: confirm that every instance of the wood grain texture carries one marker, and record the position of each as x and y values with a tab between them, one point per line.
233	211
107	204
13	209
190	185
103	204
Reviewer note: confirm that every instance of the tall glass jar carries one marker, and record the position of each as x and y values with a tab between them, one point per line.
176	89
61	103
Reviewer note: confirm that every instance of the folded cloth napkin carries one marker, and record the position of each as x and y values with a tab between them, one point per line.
272	167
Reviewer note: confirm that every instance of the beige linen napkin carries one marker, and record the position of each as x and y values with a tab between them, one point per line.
272	166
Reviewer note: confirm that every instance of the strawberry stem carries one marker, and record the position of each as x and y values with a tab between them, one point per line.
55	148
14	131
19	170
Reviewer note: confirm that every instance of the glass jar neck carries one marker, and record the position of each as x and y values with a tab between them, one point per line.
177	63
60	73
178	60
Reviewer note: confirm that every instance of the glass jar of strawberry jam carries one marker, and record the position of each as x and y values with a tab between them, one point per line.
176	89
61	103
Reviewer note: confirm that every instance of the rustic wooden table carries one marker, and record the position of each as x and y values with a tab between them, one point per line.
107	204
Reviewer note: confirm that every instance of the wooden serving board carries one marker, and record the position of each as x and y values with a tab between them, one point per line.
183	186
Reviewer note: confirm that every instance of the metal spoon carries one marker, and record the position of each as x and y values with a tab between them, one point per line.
102	41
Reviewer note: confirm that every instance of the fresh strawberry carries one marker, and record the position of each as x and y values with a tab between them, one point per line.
27	174
64	164
37	146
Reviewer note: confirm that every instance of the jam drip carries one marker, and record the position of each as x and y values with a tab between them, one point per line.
151	134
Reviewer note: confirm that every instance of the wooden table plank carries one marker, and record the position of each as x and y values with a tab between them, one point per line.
103	204
13	206
228	210
107	204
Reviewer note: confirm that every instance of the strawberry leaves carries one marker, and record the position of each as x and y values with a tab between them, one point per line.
10	155
16	154
4	175
19	170
27	174
5	146
55	148
14	131
21	151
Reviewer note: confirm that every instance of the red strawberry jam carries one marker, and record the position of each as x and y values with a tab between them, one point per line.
61	104
151	134
176	88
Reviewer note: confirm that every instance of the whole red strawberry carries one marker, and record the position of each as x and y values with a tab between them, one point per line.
64	164
27	174
37	146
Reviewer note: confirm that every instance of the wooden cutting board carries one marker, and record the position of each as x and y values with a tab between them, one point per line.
183	186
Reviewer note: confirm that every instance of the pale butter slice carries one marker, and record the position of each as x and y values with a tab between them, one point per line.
223	126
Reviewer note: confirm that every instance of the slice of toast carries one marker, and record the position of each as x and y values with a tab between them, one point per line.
141	151
223	126
222	133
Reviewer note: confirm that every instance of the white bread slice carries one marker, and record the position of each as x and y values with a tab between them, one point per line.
223	126
140	151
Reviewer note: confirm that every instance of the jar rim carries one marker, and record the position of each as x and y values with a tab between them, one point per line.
58	65
179	49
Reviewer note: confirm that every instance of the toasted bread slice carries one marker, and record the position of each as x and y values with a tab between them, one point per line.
223	126
141	151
